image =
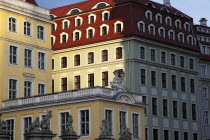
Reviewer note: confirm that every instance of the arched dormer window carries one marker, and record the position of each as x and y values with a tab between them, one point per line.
65	24
27	28
63	37
187	26
190	39
77	35
104	29
181	37
178	24
105	15
100	4
74	11
164	9
12	25
158	18
90	32
52	39
148	15
91	18
141	26
168	21
161	32
150	5
178	14
78	21
118	27
171	35
151	29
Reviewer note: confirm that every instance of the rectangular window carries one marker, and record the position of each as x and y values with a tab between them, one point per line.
192	85
10	128
183	86
203	70
84	123
205	93
153	78
182	62
154	106
152	55
41	89
53	86
26	125
28	58
76	60
77	82
135	125
12	25
194	112
146	134
90	58
142	52
123	118
13	55
27	88
206	117
12	89
195	136
164	81
109	119
163	57
53	64
63	122
144	99
165	107
191	64
143	76
173	59
64	62
119	53
176	135
175	109
41	61
185	135
155	134
90	80
105	79
166	135
173	78
184	110
63	84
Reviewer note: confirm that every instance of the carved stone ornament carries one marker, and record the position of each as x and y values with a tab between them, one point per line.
123	108
69	126
35	126
125	133
3	127
105	130
118	82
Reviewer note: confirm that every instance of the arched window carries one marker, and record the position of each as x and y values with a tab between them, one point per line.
101	5
168	21
190	40
181	37
65	25
90	57
90	33
53	27
27	28
64	62
141	26
75	11
63	37
118	27
76	35
151	29
105	15
104	29
148	15
159	18
78	22
40	32
104	55
178	24
119	53
12	25
77	60
178	14
187	26
164	9
171	35
92	19
150	4
161	32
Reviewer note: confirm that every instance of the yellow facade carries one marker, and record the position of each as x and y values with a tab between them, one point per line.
35	16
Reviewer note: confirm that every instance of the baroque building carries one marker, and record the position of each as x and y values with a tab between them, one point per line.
155	44
203	37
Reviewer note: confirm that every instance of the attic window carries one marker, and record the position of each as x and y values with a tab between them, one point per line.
150	5
178	14
164	9
101	5
74	11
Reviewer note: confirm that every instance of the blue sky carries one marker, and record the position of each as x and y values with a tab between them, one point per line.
194	8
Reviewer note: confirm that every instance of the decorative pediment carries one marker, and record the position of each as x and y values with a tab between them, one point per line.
124	98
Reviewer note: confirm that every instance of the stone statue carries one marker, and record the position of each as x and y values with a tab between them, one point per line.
125	133
69	126
35	126
118	82
3	127
45	122
105	130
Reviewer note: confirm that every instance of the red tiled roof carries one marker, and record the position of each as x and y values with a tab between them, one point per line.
205	57
32	2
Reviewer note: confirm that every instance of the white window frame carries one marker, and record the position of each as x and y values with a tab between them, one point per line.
89	19
63	25
104	12
203	73
153	30
165	57
139	123
59	120
165	8
61	37
31	29
173	34
44	33
16	25
126	117
32	57
180	24
161	18
174	60
185	26
79	121
45	63
13	118
111	109
101	27
17	55
164	33
32	87
90	28
148	11
23	117
17	87
138	24
151	4
72	10
189	40
115	26
170	20
75	21
98	4
178	35
45	87
80	34
52	36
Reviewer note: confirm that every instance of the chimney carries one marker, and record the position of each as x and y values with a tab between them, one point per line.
167	3
203	21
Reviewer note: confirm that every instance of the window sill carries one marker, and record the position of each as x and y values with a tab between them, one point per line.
42	70
30	67
29	36
13	32
13	64
41	39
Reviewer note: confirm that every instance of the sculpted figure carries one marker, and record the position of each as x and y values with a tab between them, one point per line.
3	126
69	125
35	126
45	122
105	129
118	82
125	132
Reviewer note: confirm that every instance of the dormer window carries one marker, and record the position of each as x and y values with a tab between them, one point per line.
168	21
76	35
171	35
52	40
141	26
105	15
161	32
65	24
164	9
178	24
150	4
101	5
118	27
151	29
63	37
53	27
90	32
190	39
75	11
78	21
181	37
178	14
92	19
187	27
148	15
104	29
159	18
